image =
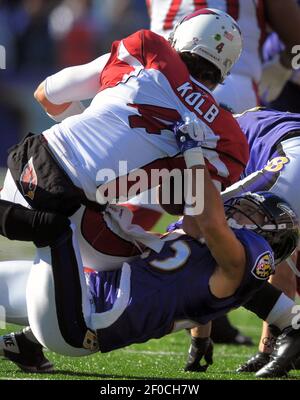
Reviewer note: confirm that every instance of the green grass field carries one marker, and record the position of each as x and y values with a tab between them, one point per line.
162	359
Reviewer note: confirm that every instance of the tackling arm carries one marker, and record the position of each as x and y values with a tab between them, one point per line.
205	208
226	249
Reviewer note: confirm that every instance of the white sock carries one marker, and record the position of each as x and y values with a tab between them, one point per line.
9	343
282	314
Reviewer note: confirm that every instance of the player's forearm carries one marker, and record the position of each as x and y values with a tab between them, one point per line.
48	106
76	83
57	112
219	238
71	84
213	213
211	221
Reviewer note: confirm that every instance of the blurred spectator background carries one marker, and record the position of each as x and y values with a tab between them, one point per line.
43	36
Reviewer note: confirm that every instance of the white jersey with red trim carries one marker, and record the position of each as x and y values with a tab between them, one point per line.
144	89
248	13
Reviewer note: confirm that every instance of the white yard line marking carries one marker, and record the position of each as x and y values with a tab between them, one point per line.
180	354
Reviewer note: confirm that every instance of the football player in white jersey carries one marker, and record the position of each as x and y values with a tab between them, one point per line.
142	88
253	16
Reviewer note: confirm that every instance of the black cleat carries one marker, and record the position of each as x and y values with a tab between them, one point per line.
27	355
255	363
285	355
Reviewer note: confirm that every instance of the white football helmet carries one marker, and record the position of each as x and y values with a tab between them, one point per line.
212	34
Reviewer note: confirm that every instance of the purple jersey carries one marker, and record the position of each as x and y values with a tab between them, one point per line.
172	287
264	128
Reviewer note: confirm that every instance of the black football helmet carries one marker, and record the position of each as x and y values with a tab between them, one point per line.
280	227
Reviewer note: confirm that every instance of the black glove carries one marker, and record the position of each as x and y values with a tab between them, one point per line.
199	348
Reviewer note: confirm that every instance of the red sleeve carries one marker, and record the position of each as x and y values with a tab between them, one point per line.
152	51
116	68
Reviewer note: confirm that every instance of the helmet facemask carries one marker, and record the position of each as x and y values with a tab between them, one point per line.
281	232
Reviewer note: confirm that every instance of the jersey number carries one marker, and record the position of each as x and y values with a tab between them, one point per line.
232	8
152	118
276	164
170	264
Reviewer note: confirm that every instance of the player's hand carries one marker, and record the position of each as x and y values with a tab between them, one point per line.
273	80
189	133
200	348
